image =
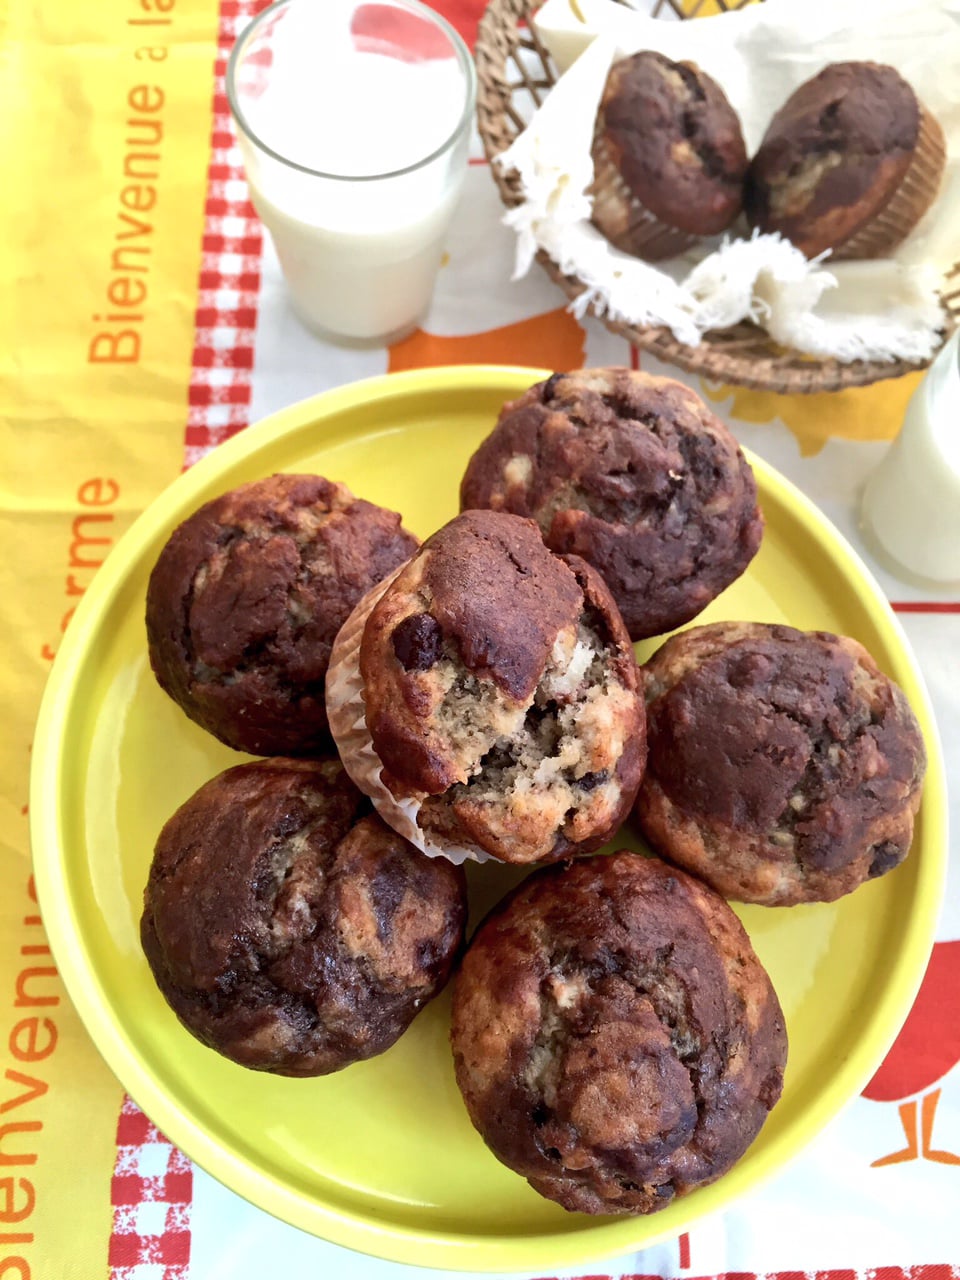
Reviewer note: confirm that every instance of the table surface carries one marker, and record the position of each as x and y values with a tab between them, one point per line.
145	328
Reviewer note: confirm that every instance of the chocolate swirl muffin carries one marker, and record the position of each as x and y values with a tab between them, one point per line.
633	473
486	698
246	599
784	766
669	157
616	1040
850	162
288	928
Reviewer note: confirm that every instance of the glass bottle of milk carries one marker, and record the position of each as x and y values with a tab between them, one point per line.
911	504
354	122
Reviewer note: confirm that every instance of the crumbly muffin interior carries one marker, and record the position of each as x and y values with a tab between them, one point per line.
550	744
551	758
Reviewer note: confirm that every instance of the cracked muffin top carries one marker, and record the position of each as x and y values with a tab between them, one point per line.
501	694
833	155
784	766
675	143
633	473
616	1040
247	596
287	927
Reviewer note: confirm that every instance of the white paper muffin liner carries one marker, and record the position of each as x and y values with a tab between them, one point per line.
915	193
625	220
346	712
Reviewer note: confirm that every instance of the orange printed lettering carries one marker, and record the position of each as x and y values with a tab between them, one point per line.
142	165
91	494
137	195
30	1039
32	1089
139	98
122	347
23	998
125	291
87	551
150	132
119	263
25	1039
82	540
9	1211
138	228
18	1126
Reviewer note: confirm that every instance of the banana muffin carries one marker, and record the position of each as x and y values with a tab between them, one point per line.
245	600
636	475
784	766
486	698
616	1040
669	157
850	163
288	928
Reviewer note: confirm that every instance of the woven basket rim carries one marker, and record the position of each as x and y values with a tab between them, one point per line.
744	354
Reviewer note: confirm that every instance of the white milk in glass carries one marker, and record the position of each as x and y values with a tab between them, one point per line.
359	253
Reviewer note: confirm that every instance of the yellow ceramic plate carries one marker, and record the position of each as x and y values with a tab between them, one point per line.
381	1156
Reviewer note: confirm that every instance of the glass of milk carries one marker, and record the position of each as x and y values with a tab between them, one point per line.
354	120
911	503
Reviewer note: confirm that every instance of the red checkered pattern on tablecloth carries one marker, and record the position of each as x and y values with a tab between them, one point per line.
151	1192
220	382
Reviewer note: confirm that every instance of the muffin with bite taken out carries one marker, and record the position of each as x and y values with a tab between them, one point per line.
486	698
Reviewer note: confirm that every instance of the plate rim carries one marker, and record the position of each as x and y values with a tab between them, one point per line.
599	1238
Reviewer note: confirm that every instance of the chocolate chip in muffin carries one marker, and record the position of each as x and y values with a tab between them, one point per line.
288	928
615	1038
247	596
418	642
784	766
633	473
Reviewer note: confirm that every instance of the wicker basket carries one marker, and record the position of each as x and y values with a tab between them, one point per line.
509	92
